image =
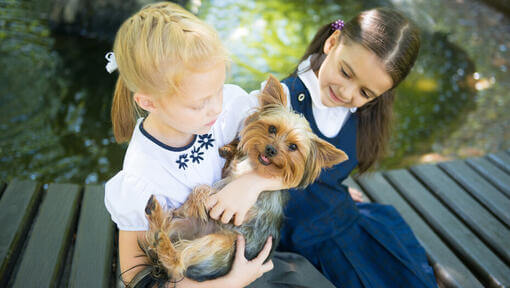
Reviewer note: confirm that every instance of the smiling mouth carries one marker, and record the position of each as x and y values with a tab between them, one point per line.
264	160
334	97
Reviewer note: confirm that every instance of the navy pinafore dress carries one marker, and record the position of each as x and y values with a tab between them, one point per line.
353	245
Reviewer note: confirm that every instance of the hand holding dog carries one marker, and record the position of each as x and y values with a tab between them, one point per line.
246	271
237	197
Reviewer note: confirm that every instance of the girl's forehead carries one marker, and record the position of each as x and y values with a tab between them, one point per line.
368	68
202	83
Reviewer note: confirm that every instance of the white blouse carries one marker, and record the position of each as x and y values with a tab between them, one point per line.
151	167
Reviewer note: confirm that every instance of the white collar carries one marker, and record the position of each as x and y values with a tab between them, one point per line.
312	84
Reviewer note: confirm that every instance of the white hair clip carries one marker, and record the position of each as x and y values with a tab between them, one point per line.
112	64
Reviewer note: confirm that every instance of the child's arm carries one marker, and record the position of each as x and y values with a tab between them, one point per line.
243	272
128	252
237	197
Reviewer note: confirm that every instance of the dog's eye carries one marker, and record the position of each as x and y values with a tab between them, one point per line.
292	147
272	129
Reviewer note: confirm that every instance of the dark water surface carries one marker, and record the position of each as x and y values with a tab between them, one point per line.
55	93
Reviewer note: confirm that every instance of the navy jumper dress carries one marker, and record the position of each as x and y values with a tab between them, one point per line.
352	244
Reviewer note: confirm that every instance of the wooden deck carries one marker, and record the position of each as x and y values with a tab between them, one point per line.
60	235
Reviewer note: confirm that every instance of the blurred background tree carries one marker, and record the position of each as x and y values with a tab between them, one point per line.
55	94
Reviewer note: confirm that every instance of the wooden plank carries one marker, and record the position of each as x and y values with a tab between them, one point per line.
492	173
493	199
94	242
349	182
449	270
501	159
483	223
17	209
467	246
46	249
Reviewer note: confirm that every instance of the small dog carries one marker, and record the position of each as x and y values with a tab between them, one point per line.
275	142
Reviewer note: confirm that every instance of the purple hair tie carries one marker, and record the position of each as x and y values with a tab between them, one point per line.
337	25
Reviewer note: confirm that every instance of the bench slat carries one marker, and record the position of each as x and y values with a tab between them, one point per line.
492	173
501	159
472	251
94	242
488	227
492	198
46	249
449	270
17	209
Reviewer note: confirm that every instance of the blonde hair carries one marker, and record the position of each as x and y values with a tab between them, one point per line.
153	49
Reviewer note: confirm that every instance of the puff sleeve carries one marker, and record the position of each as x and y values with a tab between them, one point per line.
126	196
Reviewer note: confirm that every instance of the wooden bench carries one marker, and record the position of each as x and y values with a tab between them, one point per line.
459	211
60	235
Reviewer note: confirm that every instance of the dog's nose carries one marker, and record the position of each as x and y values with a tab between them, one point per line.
270	151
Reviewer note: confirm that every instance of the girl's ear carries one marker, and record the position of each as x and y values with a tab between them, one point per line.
331	42
144	101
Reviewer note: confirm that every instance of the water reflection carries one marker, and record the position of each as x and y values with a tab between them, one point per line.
55	93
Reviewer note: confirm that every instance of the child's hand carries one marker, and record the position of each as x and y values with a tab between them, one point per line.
243	271
237	197
356	195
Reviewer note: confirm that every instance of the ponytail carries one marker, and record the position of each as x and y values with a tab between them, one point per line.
374	127
124	112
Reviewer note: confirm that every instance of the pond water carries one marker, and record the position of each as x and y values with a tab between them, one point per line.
55	94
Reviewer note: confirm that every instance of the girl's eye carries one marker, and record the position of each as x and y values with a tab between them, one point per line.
345	73
364	94
272	129
292	147
199	107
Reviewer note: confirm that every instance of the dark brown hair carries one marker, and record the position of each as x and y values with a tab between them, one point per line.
396	41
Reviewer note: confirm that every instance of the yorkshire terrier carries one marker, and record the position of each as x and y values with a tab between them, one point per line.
275	142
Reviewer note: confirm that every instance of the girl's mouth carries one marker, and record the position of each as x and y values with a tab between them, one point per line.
334	97
211	123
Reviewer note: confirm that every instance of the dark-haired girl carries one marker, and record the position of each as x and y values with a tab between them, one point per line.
345	86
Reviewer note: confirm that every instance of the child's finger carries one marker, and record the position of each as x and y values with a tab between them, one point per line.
239	219
265	251
211	201
268	266
216	211
240	248
226	216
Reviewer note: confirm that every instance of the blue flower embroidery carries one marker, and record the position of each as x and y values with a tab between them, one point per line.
196	155
205	140
182	161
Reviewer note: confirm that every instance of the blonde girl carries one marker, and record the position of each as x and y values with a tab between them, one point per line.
172	69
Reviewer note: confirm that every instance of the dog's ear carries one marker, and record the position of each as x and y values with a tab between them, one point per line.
327	154
273	93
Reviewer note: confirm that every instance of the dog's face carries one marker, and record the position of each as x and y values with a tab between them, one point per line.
280	142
